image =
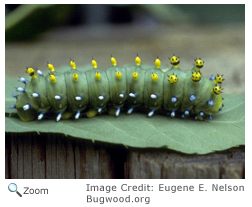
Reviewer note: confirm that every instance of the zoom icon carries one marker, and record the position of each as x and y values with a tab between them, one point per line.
13	188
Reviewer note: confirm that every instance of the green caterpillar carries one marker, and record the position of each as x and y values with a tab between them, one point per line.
183	93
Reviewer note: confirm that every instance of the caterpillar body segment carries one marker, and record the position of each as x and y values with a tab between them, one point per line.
173	90
98	90
185	93
56	91
153	89
135	87
118	92
77	91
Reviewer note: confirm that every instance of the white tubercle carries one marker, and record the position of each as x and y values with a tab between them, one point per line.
26	107
154	96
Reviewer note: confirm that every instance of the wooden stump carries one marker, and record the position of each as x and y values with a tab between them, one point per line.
54	156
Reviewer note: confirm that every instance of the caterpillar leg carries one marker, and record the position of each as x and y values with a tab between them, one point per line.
67	114
115	112
112	111
91	113
199	117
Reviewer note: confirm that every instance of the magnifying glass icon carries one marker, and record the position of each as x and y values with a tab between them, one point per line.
13	188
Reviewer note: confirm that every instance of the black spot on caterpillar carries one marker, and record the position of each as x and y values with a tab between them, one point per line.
180	93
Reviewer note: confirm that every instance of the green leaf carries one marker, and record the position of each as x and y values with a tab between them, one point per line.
226	130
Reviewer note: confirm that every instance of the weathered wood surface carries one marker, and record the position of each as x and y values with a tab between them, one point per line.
166	164
56	156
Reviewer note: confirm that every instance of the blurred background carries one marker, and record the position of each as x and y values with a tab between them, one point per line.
36	34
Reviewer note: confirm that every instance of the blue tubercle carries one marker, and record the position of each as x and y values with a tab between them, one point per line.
192	97
23	80
13	106
186	112
212	78
35	95
15	96
20	89
174	99
130	110
210	103
151	112
26	107
77	115
58	117
133	95
40	116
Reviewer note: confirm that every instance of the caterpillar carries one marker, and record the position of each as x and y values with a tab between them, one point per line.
177	92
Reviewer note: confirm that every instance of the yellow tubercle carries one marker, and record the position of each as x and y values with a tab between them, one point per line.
217	90
173	79
52	78
154	77
50	67
72	64
135	75
138	60
219	79
75	77
94	63
196	76
31	72
113	61
174	60
157	63
98	76
198	63
118	75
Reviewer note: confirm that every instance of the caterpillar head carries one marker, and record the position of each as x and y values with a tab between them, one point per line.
173	79
198	63
219	79
31	72
157	63
196	76
174	60
135	75
154	77
217	90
